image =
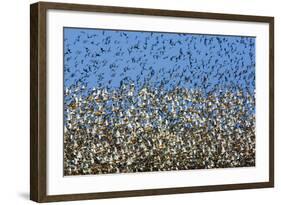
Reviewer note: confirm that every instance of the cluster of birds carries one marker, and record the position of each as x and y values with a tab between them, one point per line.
152	101
125	130
99	58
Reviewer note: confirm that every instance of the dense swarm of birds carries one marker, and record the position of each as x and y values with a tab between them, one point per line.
114	131
145	101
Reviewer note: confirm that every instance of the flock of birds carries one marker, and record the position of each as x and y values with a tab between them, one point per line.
148	101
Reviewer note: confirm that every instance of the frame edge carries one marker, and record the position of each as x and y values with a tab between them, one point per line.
271	101
154	12
34	187
37	102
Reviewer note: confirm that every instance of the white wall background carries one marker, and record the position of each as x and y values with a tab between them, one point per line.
14	101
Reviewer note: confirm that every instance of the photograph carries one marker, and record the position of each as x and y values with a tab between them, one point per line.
143	101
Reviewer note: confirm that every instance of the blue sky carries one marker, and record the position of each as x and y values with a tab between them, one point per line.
108	58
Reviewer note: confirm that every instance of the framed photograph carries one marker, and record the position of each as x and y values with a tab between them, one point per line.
134	102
